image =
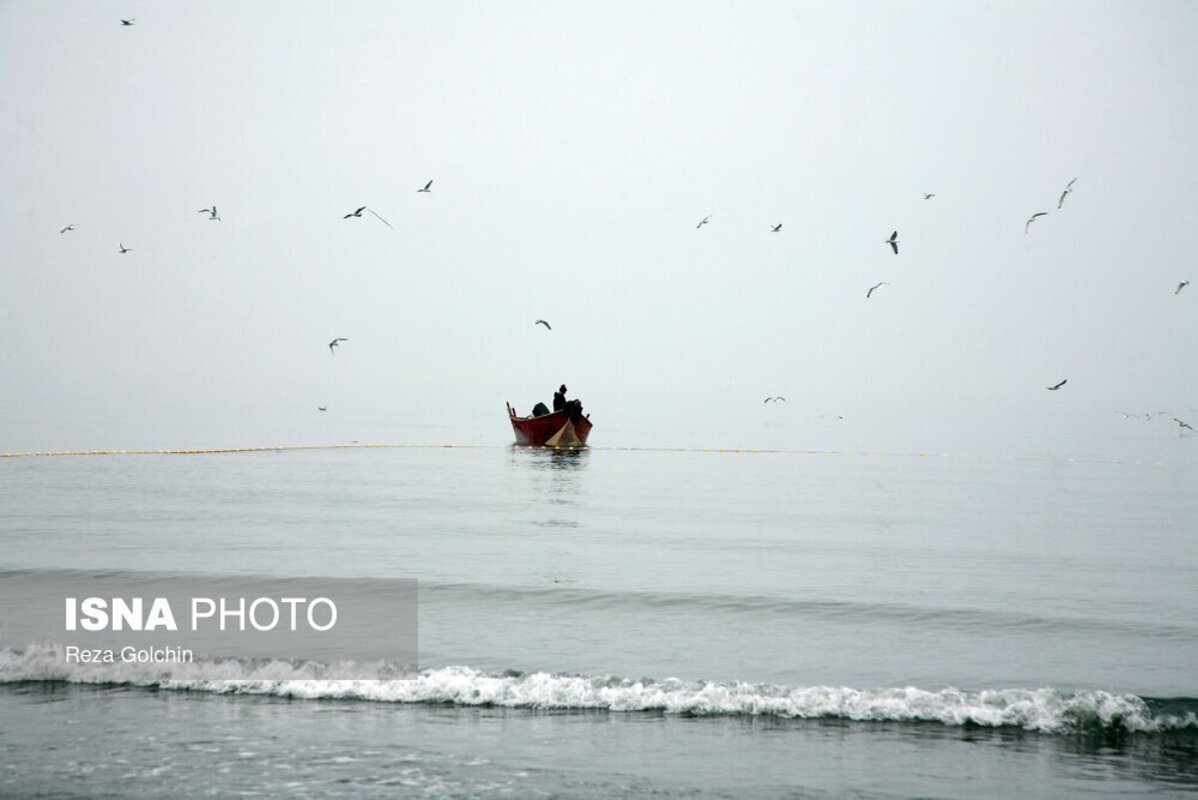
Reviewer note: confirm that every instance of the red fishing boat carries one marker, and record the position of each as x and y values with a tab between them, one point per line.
551	430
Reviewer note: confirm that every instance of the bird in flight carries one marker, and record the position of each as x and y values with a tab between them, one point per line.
359	211
1064	194
129	22
211	212
1181	286
1149	417
336	342
776	228
928	195
779	398
893	242
1183	424
543	322
428	187
123	248
1058	386
322	408
70	227
703	221
1032	219
875	286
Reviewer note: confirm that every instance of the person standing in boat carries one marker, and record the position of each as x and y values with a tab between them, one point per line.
559	398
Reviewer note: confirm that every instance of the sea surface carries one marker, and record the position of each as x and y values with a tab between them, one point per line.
655	622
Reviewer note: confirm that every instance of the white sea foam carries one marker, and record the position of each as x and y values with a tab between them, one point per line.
1044	710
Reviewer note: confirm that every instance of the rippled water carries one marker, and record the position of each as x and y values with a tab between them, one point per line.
676	622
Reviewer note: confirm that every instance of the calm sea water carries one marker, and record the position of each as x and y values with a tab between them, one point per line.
673	623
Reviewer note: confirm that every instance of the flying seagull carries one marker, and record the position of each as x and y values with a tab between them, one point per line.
1032	219
776	228
1058	386
703	221
928	196
335	343
779	398
1183	424
893	242
428	187
129	22
322	408
1181	286
1128	416
543	322
123	248
211	212
70	227
1064	194
875	286
359	211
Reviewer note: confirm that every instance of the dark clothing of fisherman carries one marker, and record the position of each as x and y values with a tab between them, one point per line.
571	407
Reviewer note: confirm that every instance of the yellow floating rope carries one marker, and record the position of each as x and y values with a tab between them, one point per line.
715	450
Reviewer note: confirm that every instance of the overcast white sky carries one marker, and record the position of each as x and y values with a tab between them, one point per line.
573	148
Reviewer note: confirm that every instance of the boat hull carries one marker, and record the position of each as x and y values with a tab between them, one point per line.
550	430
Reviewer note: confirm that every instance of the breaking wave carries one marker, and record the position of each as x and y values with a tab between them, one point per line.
1044	710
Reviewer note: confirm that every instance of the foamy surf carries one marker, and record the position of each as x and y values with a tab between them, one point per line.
1043	710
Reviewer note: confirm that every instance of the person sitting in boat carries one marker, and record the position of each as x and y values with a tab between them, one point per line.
560	403
540	410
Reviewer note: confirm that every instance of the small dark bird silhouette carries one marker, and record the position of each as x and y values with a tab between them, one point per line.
335	343
1183	424
1058	386
211	212
322	408
543	322
70	227
428	187
129	22
123	248
1032	219
779	398
928	196
703	221
1064	194
893	242
875	286
358	213
1181	286
777	227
